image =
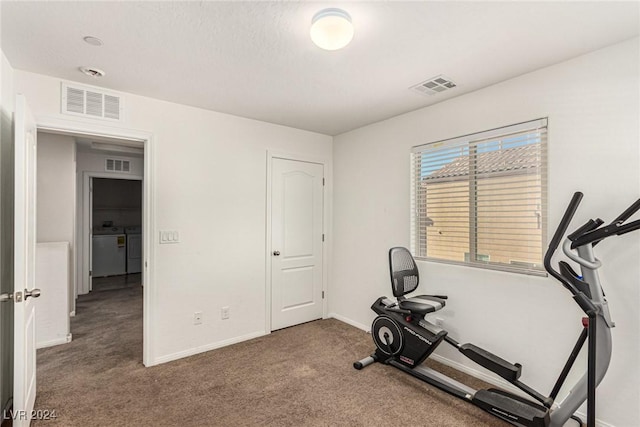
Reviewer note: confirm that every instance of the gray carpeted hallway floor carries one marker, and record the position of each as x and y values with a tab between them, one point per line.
300	376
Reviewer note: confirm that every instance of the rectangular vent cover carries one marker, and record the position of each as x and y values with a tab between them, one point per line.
434	85
91	102
117	165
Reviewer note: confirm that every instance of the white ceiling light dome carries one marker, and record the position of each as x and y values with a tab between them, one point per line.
331	29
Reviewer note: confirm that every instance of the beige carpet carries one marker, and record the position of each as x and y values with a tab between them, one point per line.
300	376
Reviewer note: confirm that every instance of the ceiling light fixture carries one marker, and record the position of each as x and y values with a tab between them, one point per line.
92	72
331	29
93	41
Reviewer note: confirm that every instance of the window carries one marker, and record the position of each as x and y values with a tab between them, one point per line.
480	199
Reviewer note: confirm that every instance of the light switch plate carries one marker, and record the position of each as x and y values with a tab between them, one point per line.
169	236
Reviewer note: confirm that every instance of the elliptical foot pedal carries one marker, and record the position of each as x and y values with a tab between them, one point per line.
508	371
511	408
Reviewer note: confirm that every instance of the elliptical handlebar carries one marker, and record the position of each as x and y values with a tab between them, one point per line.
627	213
555	241
589	233
616	227
587	227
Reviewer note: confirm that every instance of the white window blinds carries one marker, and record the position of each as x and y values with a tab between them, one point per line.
481	199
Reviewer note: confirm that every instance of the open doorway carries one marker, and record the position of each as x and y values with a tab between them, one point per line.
116	233
91	207
25	170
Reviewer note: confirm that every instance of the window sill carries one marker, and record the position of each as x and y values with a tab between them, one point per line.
487	266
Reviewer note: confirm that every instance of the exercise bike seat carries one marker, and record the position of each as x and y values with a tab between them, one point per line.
421	304
405	279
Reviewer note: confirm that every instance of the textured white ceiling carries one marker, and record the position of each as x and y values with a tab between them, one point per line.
255	59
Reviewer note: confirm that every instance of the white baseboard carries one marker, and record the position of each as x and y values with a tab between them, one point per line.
57	341
205	348
348	321
72	314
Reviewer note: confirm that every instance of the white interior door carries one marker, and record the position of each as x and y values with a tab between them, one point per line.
296	236
24	371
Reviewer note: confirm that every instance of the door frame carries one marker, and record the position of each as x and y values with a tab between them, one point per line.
85	282
62	125
326	226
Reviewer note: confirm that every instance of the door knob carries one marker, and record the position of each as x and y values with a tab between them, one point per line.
34	293
276	253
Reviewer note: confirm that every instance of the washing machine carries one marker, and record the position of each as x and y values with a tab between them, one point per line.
134	249
108	252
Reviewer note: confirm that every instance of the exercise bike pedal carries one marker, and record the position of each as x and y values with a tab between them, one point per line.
512	408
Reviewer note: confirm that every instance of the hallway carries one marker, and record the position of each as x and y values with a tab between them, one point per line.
107	342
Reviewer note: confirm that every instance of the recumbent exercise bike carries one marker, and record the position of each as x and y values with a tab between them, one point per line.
404	338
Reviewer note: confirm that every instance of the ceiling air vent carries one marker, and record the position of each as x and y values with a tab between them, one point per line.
117	165
434	85
91	102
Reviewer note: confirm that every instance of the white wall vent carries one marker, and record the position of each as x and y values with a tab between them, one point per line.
434	85
91	102
117	165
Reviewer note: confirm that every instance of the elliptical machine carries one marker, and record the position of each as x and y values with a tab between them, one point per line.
404	338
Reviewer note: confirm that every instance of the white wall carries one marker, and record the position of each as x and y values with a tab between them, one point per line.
210	185
56	198
56	190
6	226
53	326
592	105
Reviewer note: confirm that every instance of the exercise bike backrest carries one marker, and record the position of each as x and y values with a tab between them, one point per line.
404	272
